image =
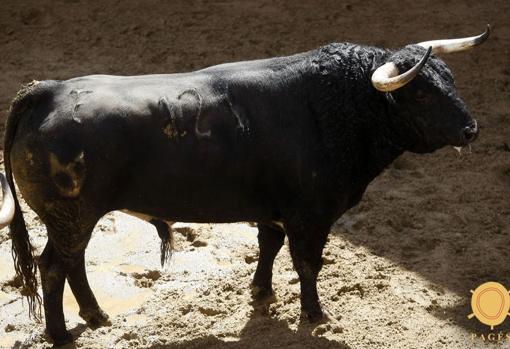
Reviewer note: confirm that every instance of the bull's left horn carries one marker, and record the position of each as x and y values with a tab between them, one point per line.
456	45
7	209
387	78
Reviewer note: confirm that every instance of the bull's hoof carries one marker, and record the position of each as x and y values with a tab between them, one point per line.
95	318
261	293
261	296
61	339
318	316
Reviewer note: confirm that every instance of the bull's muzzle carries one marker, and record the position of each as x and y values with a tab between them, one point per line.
470	133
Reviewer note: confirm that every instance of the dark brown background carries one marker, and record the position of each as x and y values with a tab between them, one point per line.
443	216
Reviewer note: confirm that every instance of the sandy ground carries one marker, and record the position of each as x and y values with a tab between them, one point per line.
398	267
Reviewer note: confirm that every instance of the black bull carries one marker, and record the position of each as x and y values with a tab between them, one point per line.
290	143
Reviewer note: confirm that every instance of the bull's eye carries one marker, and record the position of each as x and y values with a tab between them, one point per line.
422	97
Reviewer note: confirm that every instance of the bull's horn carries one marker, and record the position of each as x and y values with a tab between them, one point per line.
7	209
387	78
456	45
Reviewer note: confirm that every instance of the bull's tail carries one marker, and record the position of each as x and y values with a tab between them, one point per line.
22	250
167	239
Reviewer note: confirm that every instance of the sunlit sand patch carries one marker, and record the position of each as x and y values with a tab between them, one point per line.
116	305
126	268
112	304
3	270
135	319
6	297
7	341
6	266
116	267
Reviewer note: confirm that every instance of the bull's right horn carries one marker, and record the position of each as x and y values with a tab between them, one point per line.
8	207
387	78
456	45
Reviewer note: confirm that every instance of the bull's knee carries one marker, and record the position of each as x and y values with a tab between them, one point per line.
51	268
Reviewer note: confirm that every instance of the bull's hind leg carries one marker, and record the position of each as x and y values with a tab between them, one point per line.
270	239
89	308
53	276
69	232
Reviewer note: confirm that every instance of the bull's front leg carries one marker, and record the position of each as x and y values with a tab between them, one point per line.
53	276
307	239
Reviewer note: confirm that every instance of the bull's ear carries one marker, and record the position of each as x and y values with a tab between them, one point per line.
387	78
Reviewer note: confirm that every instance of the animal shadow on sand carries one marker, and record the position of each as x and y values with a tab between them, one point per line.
455	240
259	332
262	332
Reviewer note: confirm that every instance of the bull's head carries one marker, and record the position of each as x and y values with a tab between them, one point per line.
430	105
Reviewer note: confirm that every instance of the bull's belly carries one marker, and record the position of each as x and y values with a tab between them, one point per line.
187	206
152	219
200	218
219	215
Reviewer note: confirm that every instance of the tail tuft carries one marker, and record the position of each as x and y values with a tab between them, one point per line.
167	239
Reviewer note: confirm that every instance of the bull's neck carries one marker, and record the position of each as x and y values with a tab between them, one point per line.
359	131
379	146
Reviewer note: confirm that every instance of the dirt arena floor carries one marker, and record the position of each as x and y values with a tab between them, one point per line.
398	268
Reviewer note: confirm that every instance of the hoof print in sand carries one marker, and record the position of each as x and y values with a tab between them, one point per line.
199	243
189	233
146	279
249	259
208	311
